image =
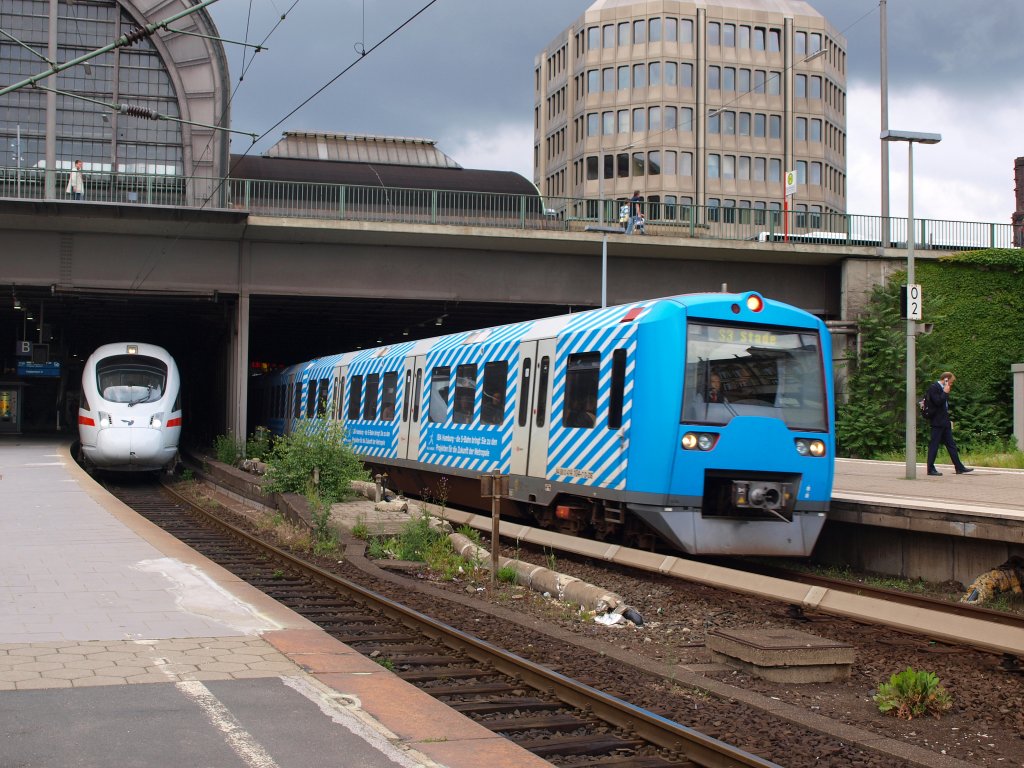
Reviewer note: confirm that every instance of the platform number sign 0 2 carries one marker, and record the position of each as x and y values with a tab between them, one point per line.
910	301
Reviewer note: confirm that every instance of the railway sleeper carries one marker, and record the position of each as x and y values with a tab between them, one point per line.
505	704
590	744
550	723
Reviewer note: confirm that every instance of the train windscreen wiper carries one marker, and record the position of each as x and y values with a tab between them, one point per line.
144	398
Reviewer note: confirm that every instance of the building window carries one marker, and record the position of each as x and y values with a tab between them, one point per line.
774	169
774	40
715	122
592	124
686	75
815	43
729	35
714	33
609	35
743	168
593	81
608	123
815	87
654	73
814	178
671	74
638	164
759	169
728	123
591	167
713	208
639	75
714	78
801	172
800	43
743	129
623	78
670	118
639	32
759	81
759	125
729	79
623	118
654	119
743	36
774	83
801	129
609	166
686	30
759	35
593	38
654	163
669	168
622	165
774	127
608	79
654	31
743	81
714	166
686	119
639	119
815	134
624	33
800	86
686	164
728	166
671	30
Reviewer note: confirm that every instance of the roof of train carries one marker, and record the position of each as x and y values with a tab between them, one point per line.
526	331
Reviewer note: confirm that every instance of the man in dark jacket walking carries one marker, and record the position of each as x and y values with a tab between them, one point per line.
942	427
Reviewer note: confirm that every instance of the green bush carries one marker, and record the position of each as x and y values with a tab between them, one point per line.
258	445
314	446
910	694
226	450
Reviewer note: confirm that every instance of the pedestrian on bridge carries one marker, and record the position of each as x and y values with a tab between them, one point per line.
635	203
76	182
942	426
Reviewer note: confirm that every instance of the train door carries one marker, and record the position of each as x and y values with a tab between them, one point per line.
543	377
409	435
338	393
524	408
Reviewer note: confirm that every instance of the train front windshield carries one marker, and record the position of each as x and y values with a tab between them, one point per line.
736	370
131	379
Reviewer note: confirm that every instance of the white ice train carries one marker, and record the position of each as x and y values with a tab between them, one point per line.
129	419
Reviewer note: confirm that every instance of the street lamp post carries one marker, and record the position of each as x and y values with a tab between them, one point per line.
911	138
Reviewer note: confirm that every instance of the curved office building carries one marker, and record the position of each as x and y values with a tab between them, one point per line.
99	111
694	103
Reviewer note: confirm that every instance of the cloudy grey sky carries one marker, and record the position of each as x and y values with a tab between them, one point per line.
461	73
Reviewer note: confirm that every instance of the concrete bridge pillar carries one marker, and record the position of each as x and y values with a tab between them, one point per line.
1018	404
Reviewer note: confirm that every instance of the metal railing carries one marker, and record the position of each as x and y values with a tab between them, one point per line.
513	211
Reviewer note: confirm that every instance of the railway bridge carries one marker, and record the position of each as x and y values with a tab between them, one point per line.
224	287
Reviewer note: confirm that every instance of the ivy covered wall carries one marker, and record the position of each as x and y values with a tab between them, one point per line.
975	301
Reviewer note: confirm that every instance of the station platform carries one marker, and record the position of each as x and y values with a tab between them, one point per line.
121	646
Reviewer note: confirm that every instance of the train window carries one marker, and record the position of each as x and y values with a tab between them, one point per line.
321	398
440	381
465	393
339	385
581	378
542	391
524	393
408	394
492	409
370	400
739	370
311	387
297	401
415	395
355	395
390	397
618	388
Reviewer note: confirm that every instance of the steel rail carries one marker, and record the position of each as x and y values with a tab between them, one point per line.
698	747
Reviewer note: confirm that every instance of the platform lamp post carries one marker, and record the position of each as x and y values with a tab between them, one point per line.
913	312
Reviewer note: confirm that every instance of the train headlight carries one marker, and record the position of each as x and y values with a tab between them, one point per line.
815	448
156	420
703	441
105	420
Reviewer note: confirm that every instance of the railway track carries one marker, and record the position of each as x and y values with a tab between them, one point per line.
557	718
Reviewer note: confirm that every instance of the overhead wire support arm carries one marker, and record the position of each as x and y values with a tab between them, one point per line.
144	112
121	42
256	46
27	47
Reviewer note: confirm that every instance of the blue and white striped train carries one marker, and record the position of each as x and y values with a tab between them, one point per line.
704	420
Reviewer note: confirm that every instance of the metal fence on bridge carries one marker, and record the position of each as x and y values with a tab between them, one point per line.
511	211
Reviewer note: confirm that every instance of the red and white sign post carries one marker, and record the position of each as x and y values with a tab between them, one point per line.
790	191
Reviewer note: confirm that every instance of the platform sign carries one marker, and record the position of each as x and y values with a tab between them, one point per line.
911	302
23	348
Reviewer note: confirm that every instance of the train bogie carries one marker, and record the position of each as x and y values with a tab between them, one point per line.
704	421
129	418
